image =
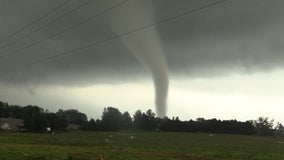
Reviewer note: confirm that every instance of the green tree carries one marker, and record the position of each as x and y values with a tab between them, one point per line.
62	120
137	120
92	125
34	119
126	121
149	120
55	122
279	129
111	119
263	126
144	120
74	116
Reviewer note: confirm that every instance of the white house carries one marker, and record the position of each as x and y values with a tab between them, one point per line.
11	124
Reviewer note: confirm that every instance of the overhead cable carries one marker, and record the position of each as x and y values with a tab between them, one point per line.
35	21
63	31
76	50
48	24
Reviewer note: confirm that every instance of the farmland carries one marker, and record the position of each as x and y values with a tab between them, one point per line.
138	145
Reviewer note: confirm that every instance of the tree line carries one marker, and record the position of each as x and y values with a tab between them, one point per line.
36	119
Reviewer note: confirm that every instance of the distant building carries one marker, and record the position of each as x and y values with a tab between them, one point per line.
72	126
281	131
11	124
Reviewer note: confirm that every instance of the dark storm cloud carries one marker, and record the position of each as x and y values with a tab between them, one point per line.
106	63
234	37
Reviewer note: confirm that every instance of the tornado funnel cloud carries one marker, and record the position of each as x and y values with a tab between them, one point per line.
145	45
149	52
161	92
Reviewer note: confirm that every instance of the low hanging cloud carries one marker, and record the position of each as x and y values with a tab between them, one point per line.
232	37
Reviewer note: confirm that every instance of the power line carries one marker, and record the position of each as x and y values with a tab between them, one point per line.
64	30
73	51
35	21
48	24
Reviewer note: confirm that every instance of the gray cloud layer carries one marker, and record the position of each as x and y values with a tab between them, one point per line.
234	37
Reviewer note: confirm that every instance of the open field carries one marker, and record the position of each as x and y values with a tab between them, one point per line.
138	145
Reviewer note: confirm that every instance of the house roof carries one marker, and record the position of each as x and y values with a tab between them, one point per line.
11	120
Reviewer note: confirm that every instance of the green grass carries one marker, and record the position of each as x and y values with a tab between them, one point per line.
145	145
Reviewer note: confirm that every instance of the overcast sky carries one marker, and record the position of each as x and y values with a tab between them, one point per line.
225	61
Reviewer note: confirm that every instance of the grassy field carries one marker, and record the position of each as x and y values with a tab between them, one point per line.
138	145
